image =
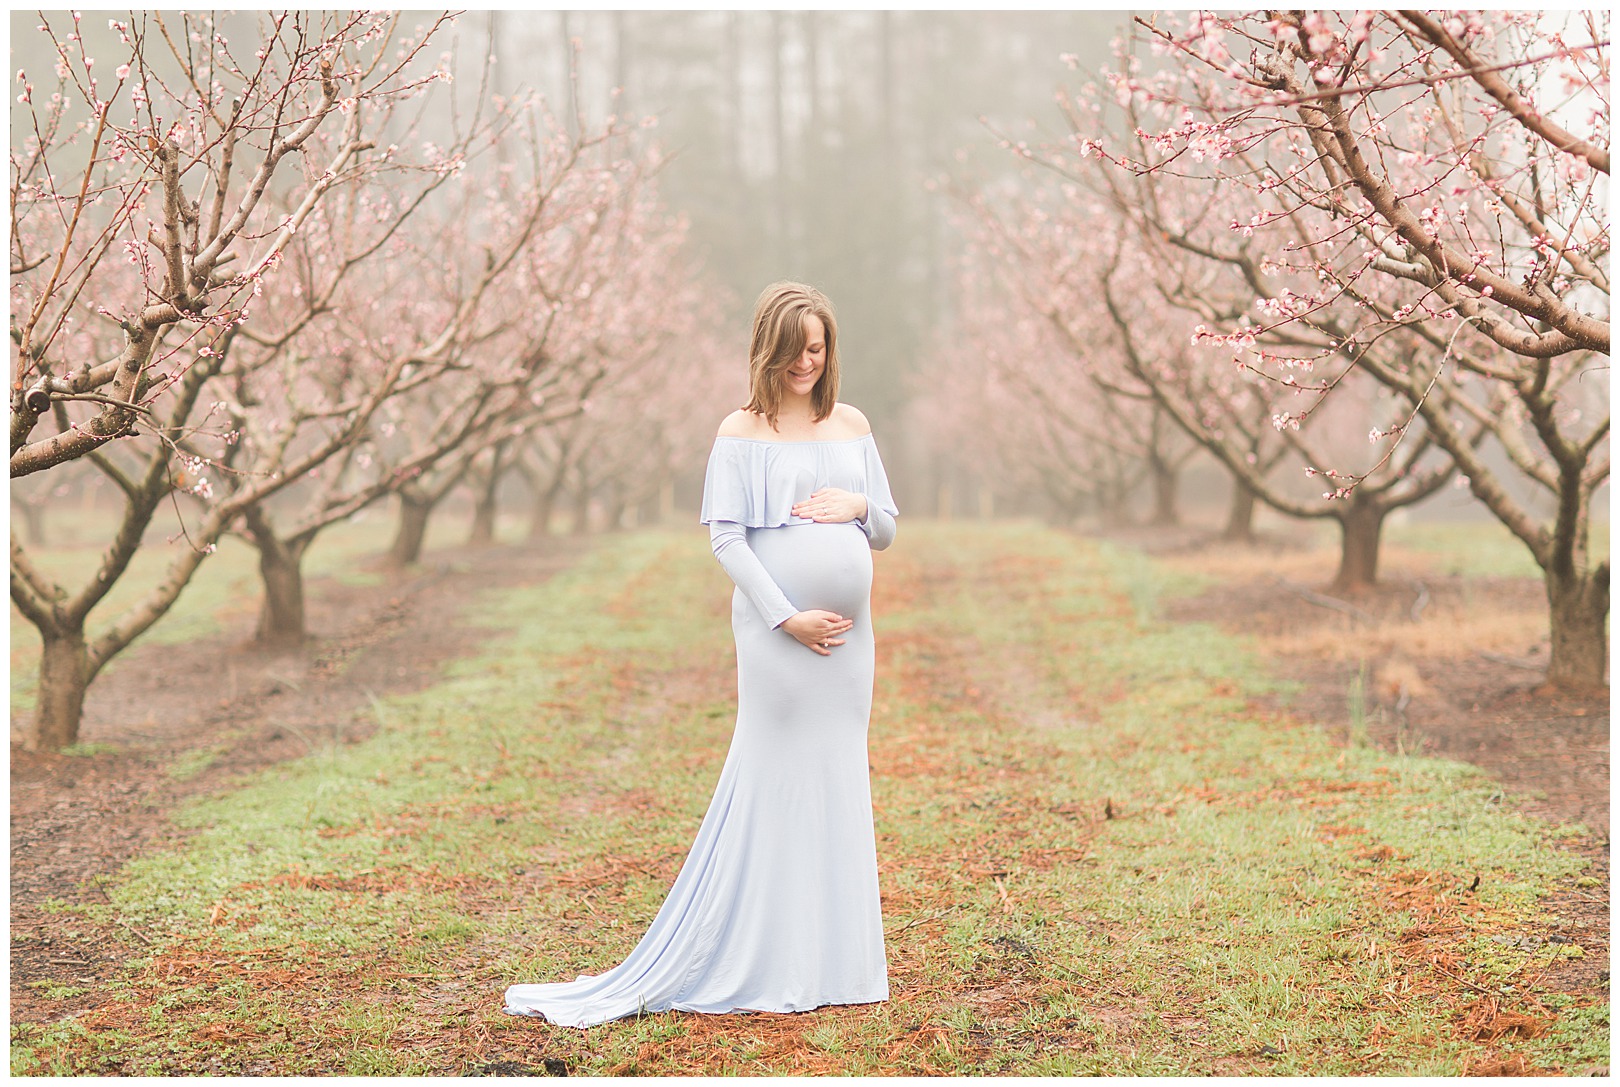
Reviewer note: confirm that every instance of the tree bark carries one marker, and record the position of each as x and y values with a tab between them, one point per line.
413	521
1578	607
540	520
1165	480
485	504
780	176
566	37
736	131
1361	525
64	675
1113	507
582	512
483	524
281	618
1240	516
281	613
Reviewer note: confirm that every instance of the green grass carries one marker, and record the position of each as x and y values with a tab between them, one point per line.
88	750
192	763
359	911
1483	548
225	591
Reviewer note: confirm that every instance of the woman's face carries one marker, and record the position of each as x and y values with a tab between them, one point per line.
802	374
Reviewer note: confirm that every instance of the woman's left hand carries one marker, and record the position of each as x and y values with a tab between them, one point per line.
830	505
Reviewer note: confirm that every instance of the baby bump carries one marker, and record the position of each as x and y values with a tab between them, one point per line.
818	566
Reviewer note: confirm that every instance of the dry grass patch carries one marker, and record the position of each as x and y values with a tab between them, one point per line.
1453	631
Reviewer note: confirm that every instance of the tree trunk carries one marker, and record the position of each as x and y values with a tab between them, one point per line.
1164	492
281	616
1360	526
484	508
780	177
736	131
413	522
64	669
483	524
666	502
1113	506
582	512
540	519
485	505
1578	607
1240	516
566	37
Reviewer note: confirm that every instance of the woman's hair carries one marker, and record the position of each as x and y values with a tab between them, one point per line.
778	341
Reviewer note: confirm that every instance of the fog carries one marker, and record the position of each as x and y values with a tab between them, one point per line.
816	145
819	146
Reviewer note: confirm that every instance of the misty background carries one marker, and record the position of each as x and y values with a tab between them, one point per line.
818	146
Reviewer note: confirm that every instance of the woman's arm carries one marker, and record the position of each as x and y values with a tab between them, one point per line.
730	543
878	526
834	505
816	630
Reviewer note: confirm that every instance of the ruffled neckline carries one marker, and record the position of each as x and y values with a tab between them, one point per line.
755	482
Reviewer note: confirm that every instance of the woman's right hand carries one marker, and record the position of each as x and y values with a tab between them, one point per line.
818	629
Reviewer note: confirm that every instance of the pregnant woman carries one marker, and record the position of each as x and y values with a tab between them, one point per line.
776	908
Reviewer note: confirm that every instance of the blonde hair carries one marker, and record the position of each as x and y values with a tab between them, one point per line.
777	342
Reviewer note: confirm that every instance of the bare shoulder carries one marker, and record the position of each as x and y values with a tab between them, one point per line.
850	419
740	424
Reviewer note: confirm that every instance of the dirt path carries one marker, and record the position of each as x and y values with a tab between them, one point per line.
187	720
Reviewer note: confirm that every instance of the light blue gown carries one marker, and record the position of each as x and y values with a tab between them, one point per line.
776	907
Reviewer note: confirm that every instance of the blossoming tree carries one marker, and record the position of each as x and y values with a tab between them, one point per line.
1032	407
473	327
186	179
576	287
669	371
1439	180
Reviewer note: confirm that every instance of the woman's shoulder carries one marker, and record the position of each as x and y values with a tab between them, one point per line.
844	423
741	423
850	420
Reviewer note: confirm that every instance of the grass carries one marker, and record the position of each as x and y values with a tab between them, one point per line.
1099	854
88	750
224	592
192	763
1478	548
1473	624
1461	621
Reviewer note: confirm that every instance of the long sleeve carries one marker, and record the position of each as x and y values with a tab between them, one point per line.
730	543
880	507
878	526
